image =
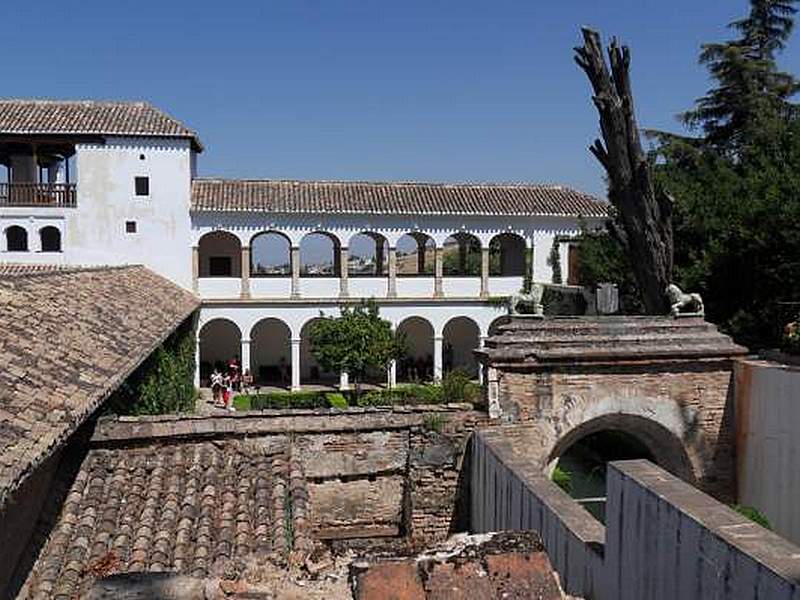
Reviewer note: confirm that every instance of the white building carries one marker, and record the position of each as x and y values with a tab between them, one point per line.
115	183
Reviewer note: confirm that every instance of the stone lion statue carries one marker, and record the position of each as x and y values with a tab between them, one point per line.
532	299
682	304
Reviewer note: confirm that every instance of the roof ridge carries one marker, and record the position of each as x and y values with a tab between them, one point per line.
43	269
401	182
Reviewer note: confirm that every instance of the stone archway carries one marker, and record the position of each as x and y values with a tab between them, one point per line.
220	341
665	447
271	353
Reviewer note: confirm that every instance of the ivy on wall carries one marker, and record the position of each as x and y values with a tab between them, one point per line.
164	382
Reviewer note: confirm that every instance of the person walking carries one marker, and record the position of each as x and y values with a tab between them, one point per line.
216	387
227	395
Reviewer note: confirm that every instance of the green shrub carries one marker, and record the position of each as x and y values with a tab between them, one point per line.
754	515
164	382
458	387
562	479
278	400
336	400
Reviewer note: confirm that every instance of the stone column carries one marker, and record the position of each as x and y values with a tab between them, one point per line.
197	361
195	269
344	259
392	291
391	375
462	256
295	364
438	268
437	358
245	355
245	290
295	260
481	344
485	272
421	255
493	393
344	381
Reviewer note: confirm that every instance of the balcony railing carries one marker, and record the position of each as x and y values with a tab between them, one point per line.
38	194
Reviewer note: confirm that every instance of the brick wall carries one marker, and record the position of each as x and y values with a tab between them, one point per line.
371	476
681	410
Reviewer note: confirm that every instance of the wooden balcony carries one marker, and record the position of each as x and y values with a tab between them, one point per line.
38	194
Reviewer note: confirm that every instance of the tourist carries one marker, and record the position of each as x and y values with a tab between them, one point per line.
216	387
227	395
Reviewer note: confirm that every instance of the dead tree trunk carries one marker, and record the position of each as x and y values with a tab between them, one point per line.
642	216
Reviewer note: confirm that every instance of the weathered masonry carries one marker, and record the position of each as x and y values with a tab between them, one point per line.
665	381
208	496
663	538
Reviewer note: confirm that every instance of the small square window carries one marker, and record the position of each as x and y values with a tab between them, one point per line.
130	226
142	185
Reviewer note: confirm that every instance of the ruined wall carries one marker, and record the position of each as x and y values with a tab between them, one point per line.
768	444
681	410
370	475
663	539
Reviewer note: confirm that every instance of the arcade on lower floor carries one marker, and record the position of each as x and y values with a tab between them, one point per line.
273	342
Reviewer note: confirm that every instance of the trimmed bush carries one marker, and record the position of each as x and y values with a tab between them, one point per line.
336	400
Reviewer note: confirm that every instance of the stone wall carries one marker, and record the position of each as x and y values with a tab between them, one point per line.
767	442
376	476
682	411
664	539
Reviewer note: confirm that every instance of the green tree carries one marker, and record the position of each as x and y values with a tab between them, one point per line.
355	342
749	92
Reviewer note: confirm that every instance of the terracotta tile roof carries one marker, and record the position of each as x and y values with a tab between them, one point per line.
90	117
359	197
198	508
68	338
25	268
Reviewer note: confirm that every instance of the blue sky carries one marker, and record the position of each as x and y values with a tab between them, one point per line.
412	90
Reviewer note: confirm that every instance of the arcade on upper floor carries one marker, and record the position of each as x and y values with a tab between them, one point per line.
294	239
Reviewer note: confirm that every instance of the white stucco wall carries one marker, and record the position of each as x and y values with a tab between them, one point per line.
95	232
768	443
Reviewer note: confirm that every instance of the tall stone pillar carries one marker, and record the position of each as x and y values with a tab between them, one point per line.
344	259
197	361
245	290
195	269
420	257
438	268
245	355
295	260
295	364
344	381
437	358
392	291
481	344
391	375
485	272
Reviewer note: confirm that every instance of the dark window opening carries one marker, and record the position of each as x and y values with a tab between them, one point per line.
51	239
220	266
16	239
573	265
141	157
142	186
130	226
